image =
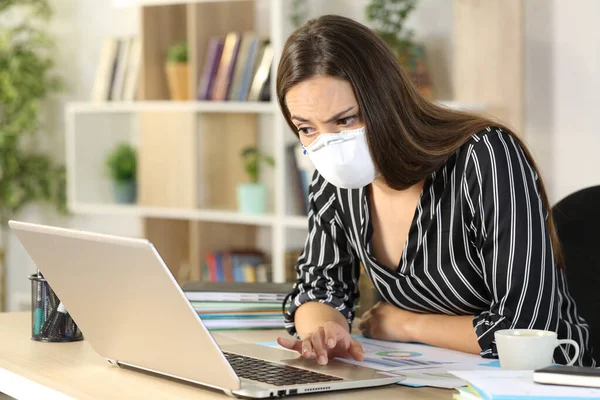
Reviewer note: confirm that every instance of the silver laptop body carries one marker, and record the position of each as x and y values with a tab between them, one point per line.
132	311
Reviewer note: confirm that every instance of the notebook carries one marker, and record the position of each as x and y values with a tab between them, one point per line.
569	376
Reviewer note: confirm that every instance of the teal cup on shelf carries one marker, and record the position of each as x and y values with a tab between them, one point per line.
125	192
252	198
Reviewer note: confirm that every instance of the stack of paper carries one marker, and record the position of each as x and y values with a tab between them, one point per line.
422	365
239	315
509	385
231	305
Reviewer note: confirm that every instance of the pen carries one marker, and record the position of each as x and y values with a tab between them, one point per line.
38	313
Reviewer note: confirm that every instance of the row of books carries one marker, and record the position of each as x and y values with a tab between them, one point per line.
245	266
118	70
236	266
236	67
231	305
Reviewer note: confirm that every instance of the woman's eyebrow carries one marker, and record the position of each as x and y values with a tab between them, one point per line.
335	117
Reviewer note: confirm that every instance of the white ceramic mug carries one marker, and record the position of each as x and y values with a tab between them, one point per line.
529	349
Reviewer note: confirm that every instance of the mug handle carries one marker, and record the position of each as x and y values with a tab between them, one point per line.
573	343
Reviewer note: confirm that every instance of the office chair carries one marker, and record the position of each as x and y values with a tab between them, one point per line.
577	219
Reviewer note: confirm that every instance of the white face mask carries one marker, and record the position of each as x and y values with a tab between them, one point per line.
343	159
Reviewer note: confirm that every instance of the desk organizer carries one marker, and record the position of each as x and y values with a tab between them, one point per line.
50	321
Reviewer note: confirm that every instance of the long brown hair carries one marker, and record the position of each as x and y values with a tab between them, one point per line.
409	137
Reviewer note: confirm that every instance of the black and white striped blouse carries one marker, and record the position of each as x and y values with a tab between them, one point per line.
478	245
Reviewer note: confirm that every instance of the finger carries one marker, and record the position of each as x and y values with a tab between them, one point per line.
291	344
334	333
307	348
318	342
356	350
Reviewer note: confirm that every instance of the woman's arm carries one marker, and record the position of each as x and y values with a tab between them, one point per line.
448	331
328	270
387	322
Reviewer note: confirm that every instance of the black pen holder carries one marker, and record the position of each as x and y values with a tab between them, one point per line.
50	321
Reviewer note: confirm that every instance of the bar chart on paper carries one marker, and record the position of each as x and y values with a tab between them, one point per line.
385	356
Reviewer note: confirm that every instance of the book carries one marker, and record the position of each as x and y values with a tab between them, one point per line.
226	66
568	376
291	260
116	92
263	71
211	66
236	291
235	306
249	70
218	324
244	58
306	170
133	70
104	73
502	384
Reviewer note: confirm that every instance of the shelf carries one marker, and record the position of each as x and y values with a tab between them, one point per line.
229	217
300	222
139	3
211	106
176	106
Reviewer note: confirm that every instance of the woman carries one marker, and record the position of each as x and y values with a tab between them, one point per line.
445	210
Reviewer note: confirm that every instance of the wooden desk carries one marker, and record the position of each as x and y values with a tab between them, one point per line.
33	370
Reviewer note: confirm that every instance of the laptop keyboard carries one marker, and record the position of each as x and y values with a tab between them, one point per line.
272	373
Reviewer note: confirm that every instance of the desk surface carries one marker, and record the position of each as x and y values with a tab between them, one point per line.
30	369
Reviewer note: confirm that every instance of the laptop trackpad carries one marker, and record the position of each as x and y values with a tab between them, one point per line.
292	358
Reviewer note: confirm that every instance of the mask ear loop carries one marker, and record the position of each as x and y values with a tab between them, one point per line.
304	149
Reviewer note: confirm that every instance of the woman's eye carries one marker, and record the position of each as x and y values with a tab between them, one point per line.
305	131
347	120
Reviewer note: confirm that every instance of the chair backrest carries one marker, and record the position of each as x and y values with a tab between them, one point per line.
577	219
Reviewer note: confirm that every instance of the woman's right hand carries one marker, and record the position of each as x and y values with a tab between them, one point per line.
330	340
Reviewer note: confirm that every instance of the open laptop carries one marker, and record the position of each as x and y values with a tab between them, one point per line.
132	311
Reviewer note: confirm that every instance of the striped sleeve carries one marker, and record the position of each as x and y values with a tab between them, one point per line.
510	238
328	269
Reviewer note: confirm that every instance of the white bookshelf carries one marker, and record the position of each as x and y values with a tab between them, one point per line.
106	118
174	106
227	217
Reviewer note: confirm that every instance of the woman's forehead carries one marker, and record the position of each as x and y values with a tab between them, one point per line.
320	97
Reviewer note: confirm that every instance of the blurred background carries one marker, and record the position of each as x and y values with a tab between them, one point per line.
156	118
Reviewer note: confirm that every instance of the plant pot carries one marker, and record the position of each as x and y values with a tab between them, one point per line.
178	79
125	192
252	198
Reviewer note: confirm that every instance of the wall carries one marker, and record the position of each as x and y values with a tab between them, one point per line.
576	56
79	27
563	92
431	22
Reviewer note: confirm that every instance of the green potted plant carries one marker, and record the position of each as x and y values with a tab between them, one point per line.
122	166
178	74
253	196
27	79
388	18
